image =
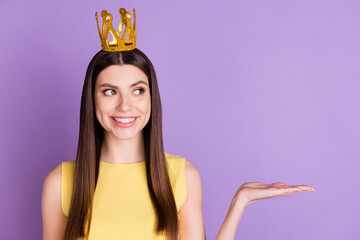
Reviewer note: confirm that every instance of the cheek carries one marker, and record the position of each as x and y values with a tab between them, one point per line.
102	104
145	107
148	106
101	107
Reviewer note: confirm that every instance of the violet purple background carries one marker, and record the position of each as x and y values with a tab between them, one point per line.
256	90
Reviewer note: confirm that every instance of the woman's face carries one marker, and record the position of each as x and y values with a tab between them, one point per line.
122	100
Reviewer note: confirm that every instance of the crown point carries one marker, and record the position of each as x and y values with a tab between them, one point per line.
103	13
122	11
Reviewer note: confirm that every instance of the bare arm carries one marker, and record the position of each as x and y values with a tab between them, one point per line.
191	217
249	193
54	220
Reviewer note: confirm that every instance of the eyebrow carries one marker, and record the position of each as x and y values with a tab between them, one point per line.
132	85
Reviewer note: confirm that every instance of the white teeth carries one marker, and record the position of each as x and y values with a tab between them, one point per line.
124	120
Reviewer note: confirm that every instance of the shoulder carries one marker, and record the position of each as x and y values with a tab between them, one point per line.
191	172
52	181
191	217
52	215
192	180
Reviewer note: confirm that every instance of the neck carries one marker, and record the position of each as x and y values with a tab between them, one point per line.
114	150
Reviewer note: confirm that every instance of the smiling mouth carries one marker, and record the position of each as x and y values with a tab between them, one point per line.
124	120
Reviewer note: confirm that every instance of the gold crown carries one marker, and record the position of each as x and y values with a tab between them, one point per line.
119	43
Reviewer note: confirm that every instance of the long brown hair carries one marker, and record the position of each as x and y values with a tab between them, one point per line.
89	146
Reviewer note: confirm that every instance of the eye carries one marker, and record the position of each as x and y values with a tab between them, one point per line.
111	91
139	91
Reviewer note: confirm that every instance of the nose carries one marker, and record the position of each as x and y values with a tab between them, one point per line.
124	104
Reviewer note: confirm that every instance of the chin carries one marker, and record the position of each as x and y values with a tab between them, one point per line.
125	136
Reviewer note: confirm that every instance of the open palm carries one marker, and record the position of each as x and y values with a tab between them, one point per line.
254	191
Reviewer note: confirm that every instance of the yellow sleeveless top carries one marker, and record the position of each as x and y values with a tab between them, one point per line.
122	207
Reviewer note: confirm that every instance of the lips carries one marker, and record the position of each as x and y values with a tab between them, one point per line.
126	124
124	120
123	116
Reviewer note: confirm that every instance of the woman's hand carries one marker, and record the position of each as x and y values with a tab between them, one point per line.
248	193
254	191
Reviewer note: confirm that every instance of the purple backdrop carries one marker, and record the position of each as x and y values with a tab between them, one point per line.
251	90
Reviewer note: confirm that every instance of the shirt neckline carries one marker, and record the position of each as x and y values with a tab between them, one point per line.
122	165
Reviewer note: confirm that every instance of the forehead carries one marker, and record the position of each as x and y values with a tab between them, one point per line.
121	75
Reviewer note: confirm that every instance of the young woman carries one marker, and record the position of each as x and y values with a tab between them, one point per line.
122	184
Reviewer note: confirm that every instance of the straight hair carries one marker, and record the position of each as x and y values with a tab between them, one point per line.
89	147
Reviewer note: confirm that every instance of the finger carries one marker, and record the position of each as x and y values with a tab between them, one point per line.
303	187
307	188
286	190
278	184
283	191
